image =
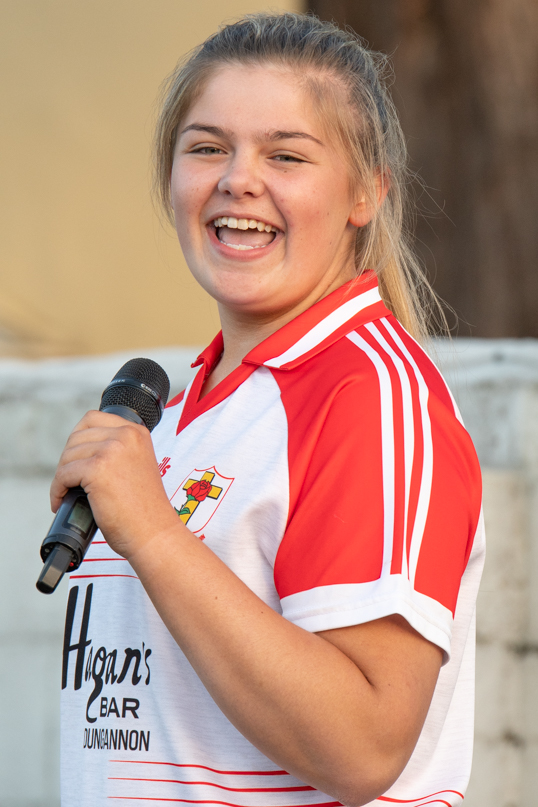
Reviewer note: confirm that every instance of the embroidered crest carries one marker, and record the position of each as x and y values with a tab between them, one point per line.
199	496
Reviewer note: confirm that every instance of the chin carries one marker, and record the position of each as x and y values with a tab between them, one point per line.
240	290
243	302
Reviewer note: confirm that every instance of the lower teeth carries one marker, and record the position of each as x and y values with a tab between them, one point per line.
243	246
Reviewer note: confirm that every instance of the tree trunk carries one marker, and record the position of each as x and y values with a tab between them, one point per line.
467	91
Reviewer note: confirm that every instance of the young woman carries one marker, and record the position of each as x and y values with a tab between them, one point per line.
297	628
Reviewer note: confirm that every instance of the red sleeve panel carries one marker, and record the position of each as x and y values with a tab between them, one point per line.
384	481
335	526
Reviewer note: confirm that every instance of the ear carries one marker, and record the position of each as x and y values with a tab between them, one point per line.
364	210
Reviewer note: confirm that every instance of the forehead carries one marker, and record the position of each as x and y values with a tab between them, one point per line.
255	99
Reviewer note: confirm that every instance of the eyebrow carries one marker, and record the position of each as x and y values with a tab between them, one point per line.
200	127
278	134
283	135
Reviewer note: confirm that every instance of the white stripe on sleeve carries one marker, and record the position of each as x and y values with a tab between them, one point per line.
387	446
408	426
427	466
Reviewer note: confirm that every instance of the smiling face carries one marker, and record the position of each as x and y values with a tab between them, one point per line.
261	198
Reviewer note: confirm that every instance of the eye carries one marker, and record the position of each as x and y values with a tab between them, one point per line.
206	150
287	158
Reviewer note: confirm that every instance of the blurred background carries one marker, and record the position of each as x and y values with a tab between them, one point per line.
90	277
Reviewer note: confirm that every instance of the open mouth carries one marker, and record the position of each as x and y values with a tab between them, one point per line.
244	234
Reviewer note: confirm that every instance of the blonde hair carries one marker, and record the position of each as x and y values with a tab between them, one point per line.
348	84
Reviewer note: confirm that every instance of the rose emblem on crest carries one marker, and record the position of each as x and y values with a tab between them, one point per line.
204	490
197	492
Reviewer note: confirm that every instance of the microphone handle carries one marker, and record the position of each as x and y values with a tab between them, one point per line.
73	528
67	540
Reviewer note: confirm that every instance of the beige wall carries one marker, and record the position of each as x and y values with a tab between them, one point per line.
86	265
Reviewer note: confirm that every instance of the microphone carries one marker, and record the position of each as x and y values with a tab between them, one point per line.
138	392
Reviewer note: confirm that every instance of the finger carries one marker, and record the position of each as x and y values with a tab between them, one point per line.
70	473
123	432
96	419
81	446
85	450
77	470
57	493
91	455
96	434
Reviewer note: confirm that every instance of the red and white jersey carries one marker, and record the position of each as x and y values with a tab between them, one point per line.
331	472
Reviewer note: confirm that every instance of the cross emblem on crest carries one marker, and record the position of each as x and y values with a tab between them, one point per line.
197	491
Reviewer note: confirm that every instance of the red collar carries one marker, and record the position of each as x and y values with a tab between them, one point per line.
353	304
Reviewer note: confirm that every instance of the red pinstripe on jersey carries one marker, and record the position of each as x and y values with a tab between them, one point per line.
422	798
85	576
224	803
189	782
200	767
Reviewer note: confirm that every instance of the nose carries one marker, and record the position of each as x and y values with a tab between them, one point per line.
241	177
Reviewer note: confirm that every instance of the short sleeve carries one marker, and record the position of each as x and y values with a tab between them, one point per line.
385	488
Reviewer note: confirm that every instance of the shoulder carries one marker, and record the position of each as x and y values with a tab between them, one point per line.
375	365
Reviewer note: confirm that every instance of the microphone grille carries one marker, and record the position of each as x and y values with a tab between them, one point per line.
148	372
143	371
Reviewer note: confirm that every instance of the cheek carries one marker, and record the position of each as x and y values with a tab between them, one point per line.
182	205
186	187
314	210
181	193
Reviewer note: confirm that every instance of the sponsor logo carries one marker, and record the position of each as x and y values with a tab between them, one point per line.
110	739
101	669
163	465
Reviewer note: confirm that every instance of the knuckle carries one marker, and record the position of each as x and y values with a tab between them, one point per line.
87	419
101	456
133	433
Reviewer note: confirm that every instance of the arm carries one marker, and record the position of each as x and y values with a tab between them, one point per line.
340	710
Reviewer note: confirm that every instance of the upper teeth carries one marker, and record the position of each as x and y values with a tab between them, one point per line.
244	224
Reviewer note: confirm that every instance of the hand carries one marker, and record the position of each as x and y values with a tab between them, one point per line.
114	461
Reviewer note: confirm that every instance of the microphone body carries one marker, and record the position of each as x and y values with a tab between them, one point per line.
138	392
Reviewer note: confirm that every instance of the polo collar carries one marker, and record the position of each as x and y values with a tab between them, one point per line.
355	303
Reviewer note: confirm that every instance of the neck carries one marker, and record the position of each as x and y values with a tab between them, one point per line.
240	337
242	333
